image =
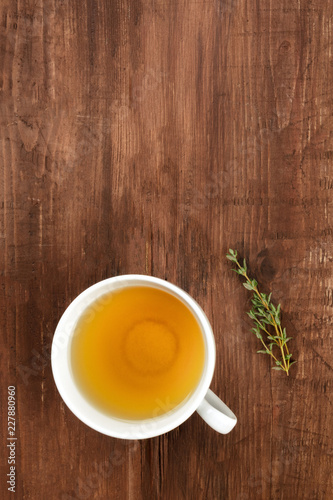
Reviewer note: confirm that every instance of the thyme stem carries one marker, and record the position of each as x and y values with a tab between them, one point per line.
264	315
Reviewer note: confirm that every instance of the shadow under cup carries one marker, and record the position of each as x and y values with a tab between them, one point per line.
92	302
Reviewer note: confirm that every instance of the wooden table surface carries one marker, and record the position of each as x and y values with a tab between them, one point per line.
149	137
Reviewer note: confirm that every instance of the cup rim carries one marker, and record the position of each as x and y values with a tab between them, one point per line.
71	394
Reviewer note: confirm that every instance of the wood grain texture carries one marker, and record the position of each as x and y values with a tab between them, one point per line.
149	137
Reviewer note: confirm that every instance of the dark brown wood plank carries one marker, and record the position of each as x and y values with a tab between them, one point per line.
149	137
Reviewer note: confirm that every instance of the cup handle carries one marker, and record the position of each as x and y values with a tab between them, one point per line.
216	414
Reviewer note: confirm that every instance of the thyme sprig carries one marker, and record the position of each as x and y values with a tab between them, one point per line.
267	320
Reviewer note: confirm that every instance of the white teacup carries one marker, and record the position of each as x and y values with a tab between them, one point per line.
202	400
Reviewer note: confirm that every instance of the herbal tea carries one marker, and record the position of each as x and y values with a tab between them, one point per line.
137	353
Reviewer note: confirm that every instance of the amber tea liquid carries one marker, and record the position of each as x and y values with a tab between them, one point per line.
137	352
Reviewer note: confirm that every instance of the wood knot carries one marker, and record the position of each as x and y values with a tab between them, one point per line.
267	269
284	47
